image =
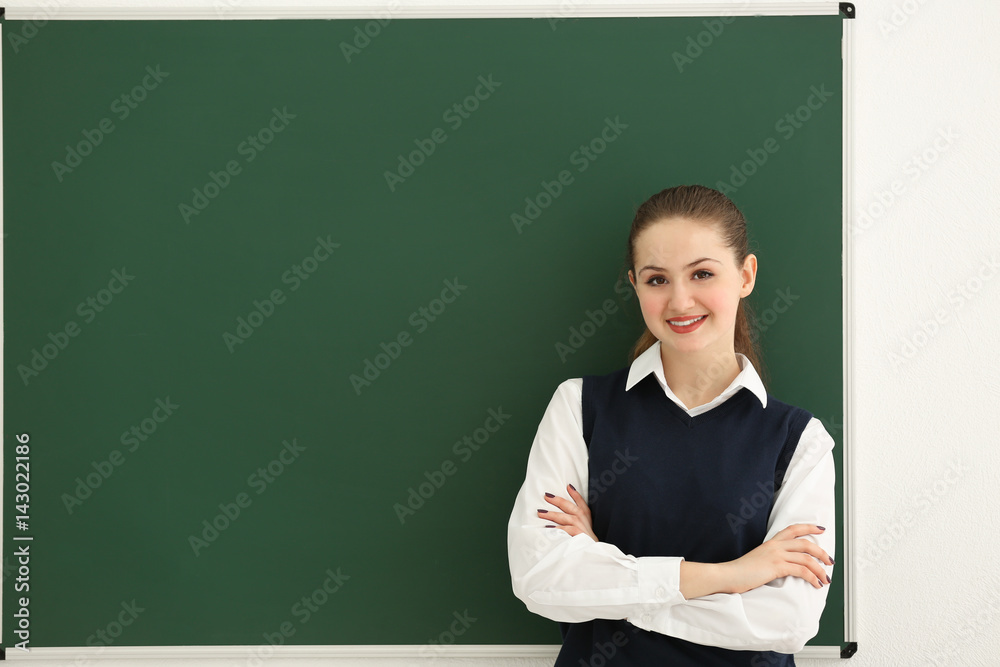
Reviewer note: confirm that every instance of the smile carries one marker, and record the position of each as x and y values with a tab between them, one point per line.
684	323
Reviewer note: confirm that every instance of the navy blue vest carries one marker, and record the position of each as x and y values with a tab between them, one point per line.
663	483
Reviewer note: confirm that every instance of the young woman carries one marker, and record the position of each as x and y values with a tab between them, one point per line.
673	512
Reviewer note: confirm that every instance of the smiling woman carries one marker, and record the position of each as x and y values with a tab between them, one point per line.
692	307
653	564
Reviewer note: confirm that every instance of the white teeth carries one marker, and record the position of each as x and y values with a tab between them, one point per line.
686	322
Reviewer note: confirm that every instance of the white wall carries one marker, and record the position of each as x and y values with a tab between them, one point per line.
926	451
926	591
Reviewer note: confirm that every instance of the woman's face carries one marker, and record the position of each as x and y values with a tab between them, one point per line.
672	285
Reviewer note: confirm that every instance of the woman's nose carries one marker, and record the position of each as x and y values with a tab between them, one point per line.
681	299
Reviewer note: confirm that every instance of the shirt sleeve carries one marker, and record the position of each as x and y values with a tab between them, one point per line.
783	614
573	578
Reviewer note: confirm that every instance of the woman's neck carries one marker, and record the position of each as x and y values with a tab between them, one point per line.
697	378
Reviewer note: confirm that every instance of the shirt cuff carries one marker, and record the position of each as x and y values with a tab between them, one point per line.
659	584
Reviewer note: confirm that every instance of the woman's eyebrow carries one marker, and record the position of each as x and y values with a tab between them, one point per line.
697	261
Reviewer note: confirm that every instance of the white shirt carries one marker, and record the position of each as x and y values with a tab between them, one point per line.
576	579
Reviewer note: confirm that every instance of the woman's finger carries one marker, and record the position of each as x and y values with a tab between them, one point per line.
575	517
565	505
816	574
573	529
558	517
798	544
577	497
809	547
798	530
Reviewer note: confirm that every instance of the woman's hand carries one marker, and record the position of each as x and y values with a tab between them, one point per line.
575	515
782	556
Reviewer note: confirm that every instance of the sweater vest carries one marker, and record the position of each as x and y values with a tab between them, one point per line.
664	483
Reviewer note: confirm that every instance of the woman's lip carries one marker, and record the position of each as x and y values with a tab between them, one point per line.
689	328
684	319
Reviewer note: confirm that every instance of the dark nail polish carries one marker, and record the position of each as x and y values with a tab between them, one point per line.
572	487
543	510
550	526
549	495
831	560
821	527
828	579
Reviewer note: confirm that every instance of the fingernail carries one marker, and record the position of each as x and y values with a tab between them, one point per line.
550	526
828	579
543	510
821	527
572	487
831	560
549	495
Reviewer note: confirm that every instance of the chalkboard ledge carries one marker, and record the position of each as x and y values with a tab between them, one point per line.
241	652
541	9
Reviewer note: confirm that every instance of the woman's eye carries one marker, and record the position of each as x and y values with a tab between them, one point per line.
654	280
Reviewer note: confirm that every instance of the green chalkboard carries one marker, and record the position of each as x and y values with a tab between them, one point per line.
269	287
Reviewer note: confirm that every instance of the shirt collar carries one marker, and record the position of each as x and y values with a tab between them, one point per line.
650	362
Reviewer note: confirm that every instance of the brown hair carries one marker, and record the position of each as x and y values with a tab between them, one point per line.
711	207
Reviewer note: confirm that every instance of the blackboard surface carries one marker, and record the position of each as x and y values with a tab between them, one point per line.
284	305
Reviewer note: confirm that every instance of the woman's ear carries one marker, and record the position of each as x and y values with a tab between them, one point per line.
749	274
631	278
